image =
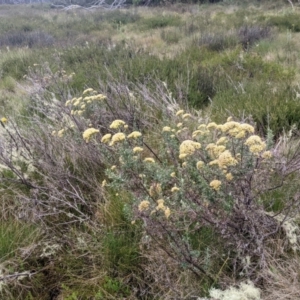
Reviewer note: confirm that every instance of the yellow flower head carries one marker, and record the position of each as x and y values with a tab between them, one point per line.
175	189
89	90
149	159
200	164
214	150
166	129
213	162
167	212
232	128
226	159
222	141
116	124
229	176
180	112
118	137
137	149
202	132
187	148
77	101
202	126
212	126
68	102
88	133
104	183
134	135
256	149
61	132
144	205
185	116
173	174
99	97
267	155
248	128
3	120
256	145
155	189
215	184
252	140
179	125
160	204
106	138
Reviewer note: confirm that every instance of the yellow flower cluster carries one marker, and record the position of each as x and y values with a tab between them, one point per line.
212	126
106	138
229	176
200	164
134	135
214	150
180	112
88	133
236	129
187	148
118	137
149	159
80	102
3	120
137	149
186	116
267	155
222	141
175	189
255	144
161	206
155	190
117	124
215	184
144	205
224	160
167	129
87	91
61	132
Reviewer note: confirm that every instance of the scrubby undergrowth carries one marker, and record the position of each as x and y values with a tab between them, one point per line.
150	155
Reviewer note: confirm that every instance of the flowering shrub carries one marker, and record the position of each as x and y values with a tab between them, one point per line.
198	175
196	188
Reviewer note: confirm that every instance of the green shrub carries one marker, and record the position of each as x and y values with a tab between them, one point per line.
218	41
159	21
117	17
248	35
288	21
27	38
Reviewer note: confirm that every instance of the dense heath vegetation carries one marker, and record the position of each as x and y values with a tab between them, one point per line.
150	152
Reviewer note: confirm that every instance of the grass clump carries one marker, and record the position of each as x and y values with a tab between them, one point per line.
288	21
160	21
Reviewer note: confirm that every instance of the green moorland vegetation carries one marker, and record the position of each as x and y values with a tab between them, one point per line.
150	152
